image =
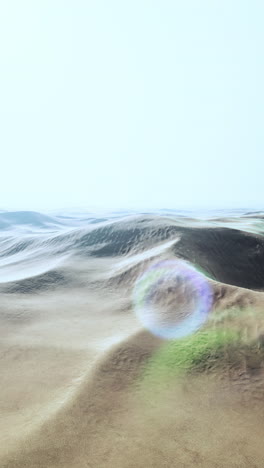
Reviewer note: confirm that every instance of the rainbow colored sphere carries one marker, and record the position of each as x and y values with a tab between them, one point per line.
172	299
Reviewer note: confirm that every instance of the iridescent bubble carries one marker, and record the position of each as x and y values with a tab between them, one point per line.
172	299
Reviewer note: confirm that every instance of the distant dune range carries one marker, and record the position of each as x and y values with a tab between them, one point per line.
73	356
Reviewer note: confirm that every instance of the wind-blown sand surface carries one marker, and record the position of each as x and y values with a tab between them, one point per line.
74	359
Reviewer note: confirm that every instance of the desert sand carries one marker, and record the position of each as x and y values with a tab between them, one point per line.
74	355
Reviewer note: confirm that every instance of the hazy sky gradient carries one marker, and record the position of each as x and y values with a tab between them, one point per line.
141	103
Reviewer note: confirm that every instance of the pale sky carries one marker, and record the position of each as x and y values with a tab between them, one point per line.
117	103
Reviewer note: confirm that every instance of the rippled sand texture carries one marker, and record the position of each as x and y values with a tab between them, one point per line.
81	382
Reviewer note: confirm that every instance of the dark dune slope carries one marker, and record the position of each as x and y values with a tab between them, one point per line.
228	255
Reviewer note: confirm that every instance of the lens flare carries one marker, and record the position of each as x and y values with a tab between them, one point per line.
172	299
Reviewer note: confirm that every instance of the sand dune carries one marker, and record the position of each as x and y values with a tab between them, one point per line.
74	356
